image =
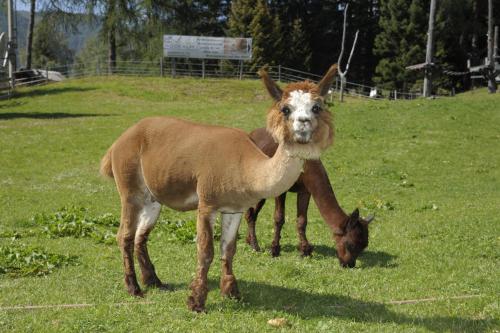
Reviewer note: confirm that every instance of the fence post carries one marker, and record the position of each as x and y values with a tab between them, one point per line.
395	94
47	74
97	67
173	67
161	66
202	68
279	73
241	69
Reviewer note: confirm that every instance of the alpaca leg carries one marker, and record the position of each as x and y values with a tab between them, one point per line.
147	220
279	220
303	199
230	225
125	237
205	247
251	217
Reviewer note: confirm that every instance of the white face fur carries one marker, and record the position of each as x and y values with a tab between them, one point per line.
301	115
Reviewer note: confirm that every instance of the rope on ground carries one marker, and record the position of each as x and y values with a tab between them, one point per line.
68	306
88	305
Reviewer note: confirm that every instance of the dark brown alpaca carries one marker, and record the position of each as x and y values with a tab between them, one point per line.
350	231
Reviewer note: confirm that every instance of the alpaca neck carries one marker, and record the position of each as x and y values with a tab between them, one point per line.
316	180
277	174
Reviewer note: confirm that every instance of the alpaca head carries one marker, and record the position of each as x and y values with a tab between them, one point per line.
352	239
299	116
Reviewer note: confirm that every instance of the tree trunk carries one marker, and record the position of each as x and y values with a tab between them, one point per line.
31	27
112	49
492	84
430	51
342	87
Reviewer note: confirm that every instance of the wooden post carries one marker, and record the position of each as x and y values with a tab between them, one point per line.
173	68
202	68
279	73
11	43
161	66
395	94
47	74
495	51
429	52
343	74
492	85
241	69
342	86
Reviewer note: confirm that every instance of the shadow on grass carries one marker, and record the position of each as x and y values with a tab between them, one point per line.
260	296
48	91
367	258
11	104
377	259
172	286
47	115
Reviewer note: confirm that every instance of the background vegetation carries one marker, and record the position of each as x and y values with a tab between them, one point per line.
299	34
428	169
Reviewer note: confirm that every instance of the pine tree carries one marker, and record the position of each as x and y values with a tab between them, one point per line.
299	55
452	46
401	42
240	17
50	47
261	29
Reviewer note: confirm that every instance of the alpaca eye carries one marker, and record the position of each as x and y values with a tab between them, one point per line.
285	110
316	109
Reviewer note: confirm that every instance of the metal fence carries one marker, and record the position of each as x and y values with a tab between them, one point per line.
186	68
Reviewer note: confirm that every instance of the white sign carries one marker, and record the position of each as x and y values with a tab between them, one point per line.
177	46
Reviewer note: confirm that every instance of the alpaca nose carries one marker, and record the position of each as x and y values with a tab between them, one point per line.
350	264
304	120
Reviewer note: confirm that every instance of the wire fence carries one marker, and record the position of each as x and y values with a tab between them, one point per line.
185	68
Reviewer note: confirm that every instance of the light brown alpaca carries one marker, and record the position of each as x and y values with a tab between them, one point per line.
187	166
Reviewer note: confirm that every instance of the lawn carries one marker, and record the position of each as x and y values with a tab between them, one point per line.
428	169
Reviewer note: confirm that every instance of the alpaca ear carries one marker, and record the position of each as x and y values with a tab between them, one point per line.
353	219
271	86
326	81
369	218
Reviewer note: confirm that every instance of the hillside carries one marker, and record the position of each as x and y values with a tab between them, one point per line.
428	169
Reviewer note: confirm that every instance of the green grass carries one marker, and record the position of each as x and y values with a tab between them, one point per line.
428	169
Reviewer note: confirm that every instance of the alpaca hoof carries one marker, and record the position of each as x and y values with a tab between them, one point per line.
195	306
136	293
165	287
229	287
253	244
275	251
306	250
161	286
157	284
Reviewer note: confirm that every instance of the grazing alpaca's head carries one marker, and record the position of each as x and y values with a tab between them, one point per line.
353	239
299	117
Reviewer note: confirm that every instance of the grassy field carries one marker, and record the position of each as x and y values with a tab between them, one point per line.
428	169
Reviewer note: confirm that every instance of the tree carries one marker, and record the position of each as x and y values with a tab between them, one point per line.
240	17
116	17
50	47
261	29
62	13
453	42
401	41
31	27
299	52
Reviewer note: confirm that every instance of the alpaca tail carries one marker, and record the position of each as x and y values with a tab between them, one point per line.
106	167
